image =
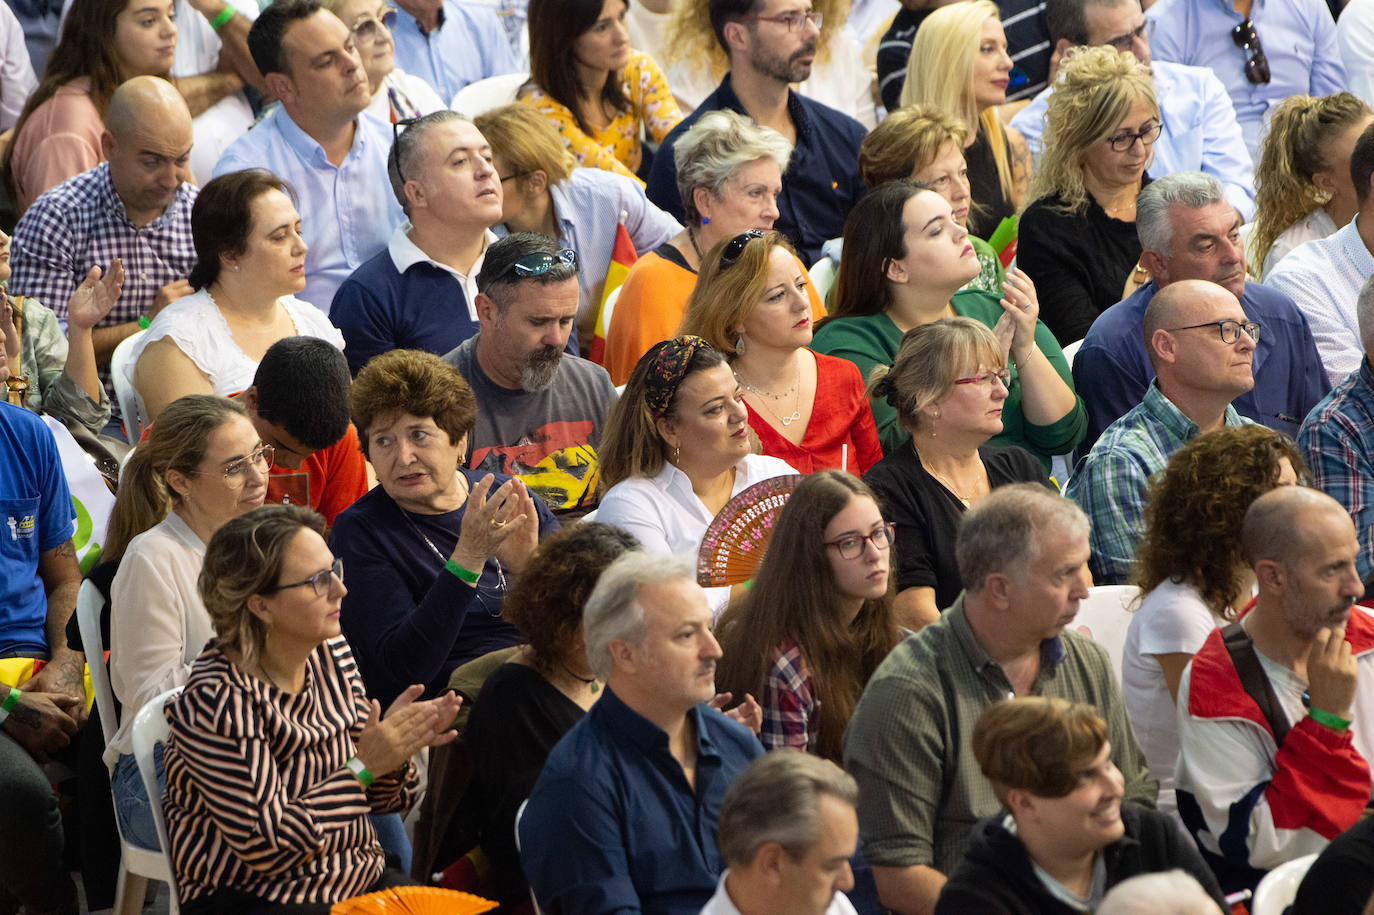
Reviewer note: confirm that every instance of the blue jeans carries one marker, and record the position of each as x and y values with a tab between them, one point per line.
391	833
132	807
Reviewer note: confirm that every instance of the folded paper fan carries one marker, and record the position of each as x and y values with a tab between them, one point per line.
414	900
737	537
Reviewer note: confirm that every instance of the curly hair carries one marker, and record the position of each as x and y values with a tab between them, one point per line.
907	141
1095	90
410	381
546	602
690	36
1195	507
1294	149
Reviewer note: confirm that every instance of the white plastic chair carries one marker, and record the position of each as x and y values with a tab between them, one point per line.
608	310
519	813
136	865
1104	618
130	403
1072	350
823	273
486	94
150	729
1280	886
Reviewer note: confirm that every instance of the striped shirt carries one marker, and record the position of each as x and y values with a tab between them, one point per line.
258	798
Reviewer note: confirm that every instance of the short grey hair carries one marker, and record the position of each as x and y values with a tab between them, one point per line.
1364	313
1193	190
1163	891
405	150
613	611
777	799
715	147
1003	533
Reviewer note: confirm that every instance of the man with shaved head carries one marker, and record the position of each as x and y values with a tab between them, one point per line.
1276	713
1201	345
135	207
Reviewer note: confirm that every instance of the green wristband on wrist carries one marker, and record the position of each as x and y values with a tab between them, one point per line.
224	16
355	765
10	702
1334	722
462	573
143	322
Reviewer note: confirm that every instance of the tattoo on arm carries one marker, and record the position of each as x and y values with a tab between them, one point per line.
66	550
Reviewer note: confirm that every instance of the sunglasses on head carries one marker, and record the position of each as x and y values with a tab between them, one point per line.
734	249
537	263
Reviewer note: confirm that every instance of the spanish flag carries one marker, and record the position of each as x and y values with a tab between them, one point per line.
622	256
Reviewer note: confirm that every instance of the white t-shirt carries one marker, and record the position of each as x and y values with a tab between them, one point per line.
1172	619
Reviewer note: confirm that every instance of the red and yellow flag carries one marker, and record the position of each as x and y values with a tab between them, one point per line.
623	255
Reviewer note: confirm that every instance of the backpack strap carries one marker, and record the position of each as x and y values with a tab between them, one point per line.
1253	680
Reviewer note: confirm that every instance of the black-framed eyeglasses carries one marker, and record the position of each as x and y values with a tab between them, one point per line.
1126	42
393	157
851	546
792	20
514	177
536	263
1126	140
1230	330
236	472
1248	40
365	29
321	581
735	247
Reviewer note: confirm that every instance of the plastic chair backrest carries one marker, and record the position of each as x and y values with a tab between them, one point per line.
1280	886
150	729
486	94
89	602
1071	350
130	403
1104	618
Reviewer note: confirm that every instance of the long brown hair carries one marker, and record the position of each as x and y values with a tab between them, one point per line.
553	26
794	596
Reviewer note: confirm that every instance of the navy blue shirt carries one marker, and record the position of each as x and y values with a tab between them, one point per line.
407	619
613	825
820	185
1111	370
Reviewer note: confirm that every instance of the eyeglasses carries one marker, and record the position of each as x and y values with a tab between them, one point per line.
1127	41
1230	330
851	546
1125	141
236	472
366	28
734	249
536	263
320	581
984	379
1247	39
514	176
792	20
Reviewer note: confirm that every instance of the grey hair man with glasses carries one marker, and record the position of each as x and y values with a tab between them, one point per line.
1198	126
1201	344
1189	231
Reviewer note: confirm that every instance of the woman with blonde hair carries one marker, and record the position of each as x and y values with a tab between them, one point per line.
1078	237
927	146
948	385
1303	189
751	304
543	190
959	65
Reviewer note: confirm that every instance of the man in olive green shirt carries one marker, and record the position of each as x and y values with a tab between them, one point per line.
1022	555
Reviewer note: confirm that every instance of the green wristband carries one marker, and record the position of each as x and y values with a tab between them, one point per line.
11	700
355	765
224	16
1334	722
143	322
462	573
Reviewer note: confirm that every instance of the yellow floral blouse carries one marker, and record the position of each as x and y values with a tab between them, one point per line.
617	148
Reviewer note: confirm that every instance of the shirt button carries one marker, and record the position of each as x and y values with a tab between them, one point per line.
143	276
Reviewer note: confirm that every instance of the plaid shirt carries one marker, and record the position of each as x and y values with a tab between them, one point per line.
1337	440
82	222
789	706
1109	482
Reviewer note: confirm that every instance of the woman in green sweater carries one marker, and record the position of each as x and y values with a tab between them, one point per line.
906	260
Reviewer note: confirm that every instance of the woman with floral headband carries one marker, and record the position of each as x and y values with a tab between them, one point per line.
677	447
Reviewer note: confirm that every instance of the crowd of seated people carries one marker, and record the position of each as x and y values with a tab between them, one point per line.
1002	332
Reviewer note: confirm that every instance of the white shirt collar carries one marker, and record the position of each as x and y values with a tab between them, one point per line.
406	254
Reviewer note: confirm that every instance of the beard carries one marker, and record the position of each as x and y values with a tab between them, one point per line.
540	367
788	70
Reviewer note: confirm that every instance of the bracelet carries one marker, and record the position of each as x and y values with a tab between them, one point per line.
224	16
1029	356
143	322
10	702
355	765
1334	722
462	573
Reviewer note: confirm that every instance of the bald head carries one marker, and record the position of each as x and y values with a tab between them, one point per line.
147	104
1179	305
1278	525
147	141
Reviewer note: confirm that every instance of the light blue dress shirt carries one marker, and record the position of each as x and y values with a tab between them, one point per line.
1200	133
1299	41
469	44
347	211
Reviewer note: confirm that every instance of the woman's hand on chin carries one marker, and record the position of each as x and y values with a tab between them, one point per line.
503	524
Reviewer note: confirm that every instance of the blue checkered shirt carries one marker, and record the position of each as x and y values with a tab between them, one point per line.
82	222
1337	440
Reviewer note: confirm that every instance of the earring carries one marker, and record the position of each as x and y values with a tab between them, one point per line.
935	415
677	454
739	345
706	220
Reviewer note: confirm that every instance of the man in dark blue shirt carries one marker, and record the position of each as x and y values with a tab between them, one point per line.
1188	231
772	43
624	816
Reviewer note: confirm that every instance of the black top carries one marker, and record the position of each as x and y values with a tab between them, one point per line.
992	205
1342	877
517	719
1078	262
927	514
996	876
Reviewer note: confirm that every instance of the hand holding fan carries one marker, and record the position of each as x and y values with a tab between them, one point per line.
734	543
414	900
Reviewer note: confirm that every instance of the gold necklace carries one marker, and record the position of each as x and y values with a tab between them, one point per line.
947	483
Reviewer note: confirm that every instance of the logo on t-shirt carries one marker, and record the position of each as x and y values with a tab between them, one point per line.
22	527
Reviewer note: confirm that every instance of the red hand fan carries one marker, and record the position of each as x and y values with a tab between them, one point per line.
734	543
